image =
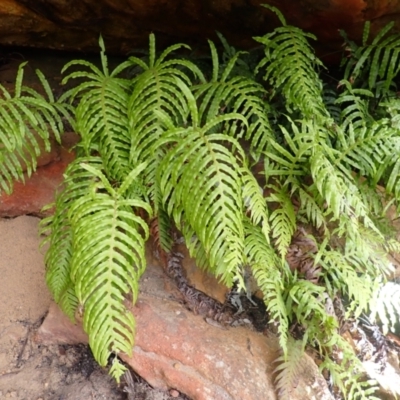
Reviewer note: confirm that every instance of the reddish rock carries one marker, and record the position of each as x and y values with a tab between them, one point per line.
178	350
56	324
39	189
202	280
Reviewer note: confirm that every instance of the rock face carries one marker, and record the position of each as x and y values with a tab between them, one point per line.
125	24
39	189
177	349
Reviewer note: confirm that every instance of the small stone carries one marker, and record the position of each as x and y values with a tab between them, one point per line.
174	393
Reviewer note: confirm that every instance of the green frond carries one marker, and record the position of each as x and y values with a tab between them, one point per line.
58	233
157	92
336	185
367	151
271	275
378	61
27	120
107	262
355	112
301	142
337	272
310	207
385	306
68	301
282	219
348	374
102	115
235	94
201	186
290	67
254	201
289	369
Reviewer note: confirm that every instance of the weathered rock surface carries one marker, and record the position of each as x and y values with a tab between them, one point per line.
125	24
39	189
176	349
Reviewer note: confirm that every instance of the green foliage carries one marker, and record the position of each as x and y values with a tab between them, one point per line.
179	144
28	119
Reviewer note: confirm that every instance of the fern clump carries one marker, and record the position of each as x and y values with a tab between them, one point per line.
177	146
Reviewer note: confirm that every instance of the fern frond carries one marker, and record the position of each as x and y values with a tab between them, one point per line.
376	61
290	66
337	272
102	114
235	94
58	233
108	260
26	119
289	368
201	186
355	113
156	92
368	151
336	186
348	374
271	275
282	219
254	201
385	305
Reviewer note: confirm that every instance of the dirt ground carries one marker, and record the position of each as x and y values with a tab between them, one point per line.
29	370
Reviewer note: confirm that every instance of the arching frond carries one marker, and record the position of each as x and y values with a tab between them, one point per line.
201	186
157	91
282	219
271	275
290	67
378	61
200	182
289	369
102	114
58	234
107	262
27	120
227	93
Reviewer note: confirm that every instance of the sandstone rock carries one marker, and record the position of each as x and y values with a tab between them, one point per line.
38	190
76	25
176	349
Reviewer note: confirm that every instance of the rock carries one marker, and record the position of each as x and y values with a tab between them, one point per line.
125	24
38	190
177	350
56	325
202	280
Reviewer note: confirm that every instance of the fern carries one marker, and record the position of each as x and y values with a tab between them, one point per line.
27	118
107	263
289	368
271	275
376	61
167	147
101	114
290	66
59	235
201	185
385	304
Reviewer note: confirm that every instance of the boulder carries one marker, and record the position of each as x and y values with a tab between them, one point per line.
177	349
